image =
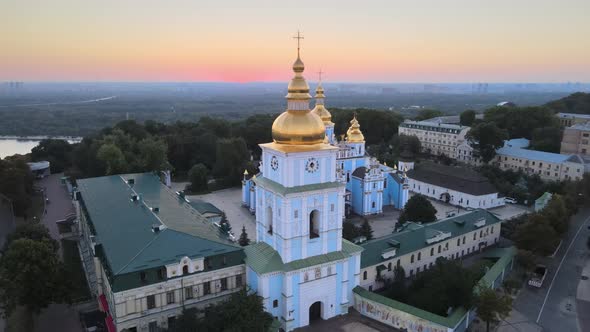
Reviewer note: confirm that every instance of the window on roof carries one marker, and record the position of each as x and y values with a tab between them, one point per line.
142	276
161	273
185	269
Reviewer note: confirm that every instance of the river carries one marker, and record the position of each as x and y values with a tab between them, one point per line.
10	145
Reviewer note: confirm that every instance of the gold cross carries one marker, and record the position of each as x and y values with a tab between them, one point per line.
298	37
320	74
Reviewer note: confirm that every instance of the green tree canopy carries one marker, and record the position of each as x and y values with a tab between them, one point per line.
491	306
486	138
198	177
152	155
244	240
467	117
32	231
16	184
418	209
56	151
426	114
244	311
366	230
31	275
113	158
537	235
231	158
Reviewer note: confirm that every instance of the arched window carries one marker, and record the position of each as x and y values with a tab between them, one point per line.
431	251
439	248
389	266
365	275
185	269
419	255
314	224
412	259
347	177
269	220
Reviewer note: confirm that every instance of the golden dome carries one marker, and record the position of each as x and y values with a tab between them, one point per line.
354	133
319	109
298	125
298	128
298	88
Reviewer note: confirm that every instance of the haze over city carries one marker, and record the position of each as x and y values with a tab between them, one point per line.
239	41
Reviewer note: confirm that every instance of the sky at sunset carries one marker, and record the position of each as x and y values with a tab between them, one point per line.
244	41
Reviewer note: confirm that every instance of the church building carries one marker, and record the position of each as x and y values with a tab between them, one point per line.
300	264
369	184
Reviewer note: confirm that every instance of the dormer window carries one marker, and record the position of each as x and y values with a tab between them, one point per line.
142	276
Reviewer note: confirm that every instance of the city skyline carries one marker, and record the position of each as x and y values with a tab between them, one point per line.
376	41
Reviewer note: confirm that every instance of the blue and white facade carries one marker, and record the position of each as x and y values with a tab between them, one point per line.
299	264
370	185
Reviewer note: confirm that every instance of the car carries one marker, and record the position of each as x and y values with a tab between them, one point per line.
538	276
510	200
451	213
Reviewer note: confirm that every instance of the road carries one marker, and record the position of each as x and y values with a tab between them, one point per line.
553	306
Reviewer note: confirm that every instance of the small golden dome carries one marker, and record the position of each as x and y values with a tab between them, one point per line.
298	128
323	113
319	109
354	133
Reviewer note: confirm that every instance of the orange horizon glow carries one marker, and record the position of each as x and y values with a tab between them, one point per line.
372	41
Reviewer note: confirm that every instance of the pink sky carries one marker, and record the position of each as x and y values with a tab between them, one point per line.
242	41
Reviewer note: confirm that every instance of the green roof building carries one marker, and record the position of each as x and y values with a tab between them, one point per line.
148	252
417	246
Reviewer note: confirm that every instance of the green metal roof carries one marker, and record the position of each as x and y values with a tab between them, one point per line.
204	207
283	191
504	256
262	258
415	236
124	228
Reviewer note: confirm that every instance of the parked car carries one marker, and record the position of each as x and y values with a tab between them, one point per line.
538	276
451	213
509	200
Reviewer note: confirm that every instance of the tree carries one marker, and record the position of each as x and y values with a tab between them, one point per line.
198	177
557	214
526	259
547	139
244	311
426	114
31	275
491	306
231	157
418	209
398	290
16	184
486	138
225	225
244	240
446	285
32	231
536	235
349	230
366	230
467	117
56	151
113	158
152	155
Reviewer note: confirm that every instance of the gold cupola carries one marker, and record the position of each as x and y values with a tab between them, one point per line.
319	109
354	134
298	125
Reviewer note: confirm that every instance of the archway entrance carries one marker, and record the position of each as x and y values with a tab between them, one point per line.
315	312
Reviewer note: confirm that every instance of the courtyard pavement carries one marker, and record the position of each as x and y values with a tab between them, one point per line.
230	202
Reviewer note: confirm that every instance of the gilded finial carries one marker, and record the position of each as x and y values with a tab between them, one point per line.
395	167
245	172
298	37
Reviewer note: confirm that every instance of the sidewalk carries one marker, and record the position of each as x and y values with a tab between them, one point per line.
517	322
583	299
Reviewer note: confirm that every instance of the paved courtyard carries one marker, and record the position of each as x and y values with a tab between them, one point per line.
230	202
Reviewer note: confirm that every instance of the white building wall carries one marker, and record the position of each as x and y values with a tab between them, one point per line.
450	249
457	198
